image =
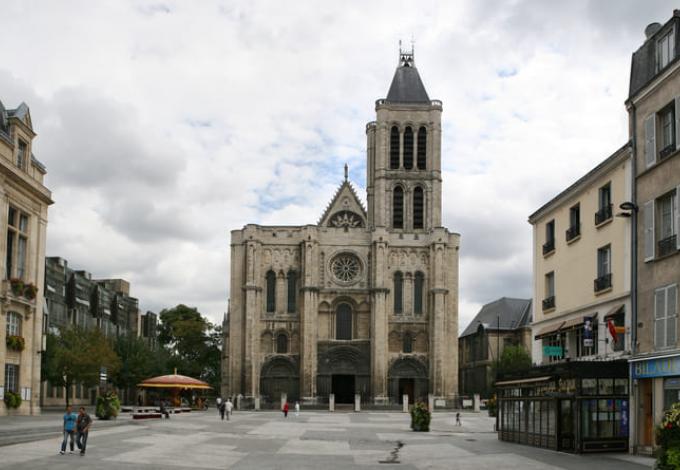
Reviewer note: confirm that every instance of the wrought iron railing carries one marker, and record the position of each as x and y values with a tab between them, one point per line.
603	215
549	302
603	282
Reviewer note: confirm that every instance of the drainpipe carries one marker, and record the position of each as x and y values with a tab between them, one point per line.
633	278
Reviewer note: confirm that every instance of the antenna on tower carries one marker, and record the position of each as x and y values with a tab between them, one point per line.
346	172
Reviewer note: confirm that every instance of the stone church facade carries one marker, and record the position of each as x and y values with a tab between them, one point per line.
366	300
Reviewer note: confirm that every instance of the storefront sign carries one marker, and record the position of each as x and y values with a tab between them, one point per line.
552	351
661	367
588	332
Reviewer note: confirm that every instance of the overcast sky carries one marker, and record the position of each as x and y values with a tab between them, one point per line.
166	124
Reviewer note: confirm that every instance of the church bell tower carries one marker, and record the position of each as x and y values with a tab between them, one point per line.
404	155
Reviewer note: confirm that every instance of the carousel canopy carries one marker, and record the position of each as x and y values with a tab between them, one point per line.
174	381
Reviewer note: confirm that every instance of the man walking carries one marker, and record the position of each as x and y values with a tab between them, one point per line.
297	409
68	428
83	425
218	403
222	408
458	423
228	406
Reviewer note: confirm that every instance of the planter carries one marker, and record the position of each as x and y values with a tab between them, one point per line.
108	406
30	291
17	286
12	400
420	418
15	342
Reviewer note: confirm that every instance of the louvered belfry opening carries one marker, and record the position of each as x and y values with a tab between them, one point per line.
408	148
271	291
343	322
418	207
422	145
398	207
394	148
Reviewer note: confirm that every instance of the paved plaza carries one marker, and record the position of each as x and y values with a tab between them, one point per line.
314	440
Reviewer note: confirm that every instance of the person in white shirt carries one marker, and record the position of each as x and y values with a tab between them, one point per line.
228	407
297	408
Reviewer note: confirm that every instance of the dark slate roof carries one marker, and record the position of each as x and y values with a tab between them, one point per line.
643	64
514	313
407	87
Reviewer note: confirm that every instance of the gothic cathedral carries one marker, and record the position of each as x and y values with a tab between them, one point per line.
365	301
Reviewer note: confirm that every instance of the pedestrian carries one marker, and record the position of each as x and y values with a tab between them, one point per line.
458	423
228	406
223	408
68	429
83	424
285	410
218	403
297	409
139	400
164	411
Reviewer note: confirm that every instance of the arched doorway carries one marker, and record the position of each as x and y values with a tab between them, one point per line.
344	370
408	376
279	375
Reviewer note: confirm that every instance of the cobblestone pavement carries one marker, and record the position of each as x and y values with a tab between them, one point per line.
314	440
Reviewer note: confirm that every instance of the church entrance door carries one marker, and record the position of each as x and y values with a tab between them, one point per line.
343	388
406	387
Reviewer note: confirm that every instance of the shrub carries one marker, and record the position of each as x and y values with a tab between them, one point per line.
420	417
12	400
17	343
668	438
30	291
492	406
17	286
107	406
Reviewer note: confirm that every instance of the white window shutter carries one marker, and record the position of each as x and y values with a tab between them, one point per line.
677	217
650	140
677	122
648	223
659	317
671	315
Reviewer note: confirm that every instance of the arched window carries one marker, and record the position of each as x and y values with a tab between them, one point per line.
13	324
281	343
408	148
394	148
292	291
418	206
408	343
421	152
343	322
398	207
271	291
418	284
398	292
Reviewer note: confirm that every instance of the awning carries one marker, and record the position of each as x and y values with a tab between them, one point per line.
571	324
549	330
524	381
616	309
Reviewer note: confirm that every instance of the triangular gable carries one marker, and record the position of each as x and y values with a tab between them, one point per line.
23	114
345	209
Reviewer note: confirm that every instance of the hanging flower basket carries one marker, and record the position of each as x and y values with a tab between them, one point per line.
17	286
30	291
15	342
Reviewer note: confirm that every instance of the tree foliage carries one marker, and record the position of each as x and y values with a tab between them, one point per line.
514	359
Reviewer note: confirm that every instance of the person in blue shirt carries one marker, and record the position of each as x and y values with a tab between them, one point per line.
69	429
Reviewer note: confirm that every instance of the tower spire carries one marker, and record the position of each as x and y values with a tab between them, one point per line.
346	172
406	58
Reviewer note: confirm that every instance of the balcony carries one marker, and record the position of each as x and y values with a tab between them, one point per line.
666	151
603	215
667	245
573	232
603	282
549	303
548	247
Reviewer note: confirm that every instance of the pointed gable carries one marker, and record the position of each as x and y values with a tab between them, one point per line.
345	210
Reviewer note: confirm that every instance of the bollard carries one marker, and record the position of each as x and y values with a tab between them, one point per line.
430	402
357	402
257	403
331	402
476	402
405	405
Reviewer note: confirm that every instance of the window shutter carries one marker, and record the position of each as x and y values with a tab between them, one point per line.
677	122
648	221
650	140
659	320
671	315
677	217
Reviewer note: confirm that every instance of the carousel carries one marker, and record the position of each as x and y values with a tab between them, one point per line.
175	385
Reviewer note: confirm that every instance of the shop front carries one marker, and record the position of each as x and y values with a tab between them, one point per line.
656	386
572	407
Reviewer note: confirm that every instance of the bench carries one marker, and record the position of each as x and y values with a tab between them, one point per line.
147	415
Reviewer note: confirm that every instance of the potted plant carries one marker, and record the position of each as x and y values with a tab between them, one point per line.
108	406
12	400
491	406
15	342
420	417
30	291
17	286
668	440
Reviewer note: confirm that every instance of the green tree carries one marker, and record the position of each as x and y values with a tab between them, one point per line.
137	362
514	359
75	356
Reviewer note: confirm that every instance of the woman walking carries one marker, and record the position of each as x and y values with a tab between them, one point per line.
285	410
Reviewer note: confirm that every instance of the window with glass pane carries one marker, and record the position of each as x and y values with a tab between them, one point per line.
671	392
12	378
550	284
343	322
588	386
21	154
13	324
605	418
667	121
666	216
271	291
663	50
605	386
621	386
604	261
589	418
605	196
408	148
418	283
398	292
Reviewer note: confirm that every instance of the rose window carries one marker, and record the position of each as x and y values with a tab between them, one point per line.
345	267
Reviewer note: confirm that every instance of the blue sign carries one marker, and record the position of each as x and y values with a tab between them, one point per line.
623	431
660	367
588	332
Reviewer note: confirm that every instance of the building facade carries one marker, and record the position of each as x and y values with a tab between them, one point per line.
23	204
654	117
365	301
581	266
499	324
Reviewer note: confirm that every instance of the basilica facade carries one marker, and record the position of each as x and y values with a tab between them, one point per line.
366	300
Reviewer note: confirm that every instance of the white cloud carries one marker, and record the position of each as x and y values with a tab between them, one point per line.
165	124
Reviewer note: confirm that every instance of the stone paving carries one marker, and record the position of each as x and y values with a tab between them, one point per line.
314	440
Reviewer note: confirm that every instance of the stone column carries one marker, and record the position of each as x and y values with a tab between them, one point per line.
438	324
404	407
309	318
257	403
476	402
357	402
379	326
331	402
253	306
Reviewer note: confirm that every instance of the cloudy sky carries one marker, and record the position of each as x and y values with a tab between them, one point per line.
166	124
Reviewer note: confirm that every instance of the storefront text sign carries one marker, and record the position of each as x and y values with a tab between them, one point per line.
552	351
662	367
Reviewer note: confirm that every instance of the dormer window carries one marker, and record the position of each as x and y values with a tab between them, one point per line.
664	50
21	154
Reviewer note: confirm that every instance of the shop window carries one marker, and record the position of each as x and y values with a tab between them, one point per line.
588	386
620	386
671	392
605	386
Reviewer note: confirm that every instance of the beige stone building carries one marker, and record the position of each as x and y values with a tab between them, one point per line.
582	266
23	205
654	116
366	300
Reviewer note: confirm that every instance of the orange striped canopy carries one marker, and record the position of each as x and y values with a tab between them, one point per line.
174	381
